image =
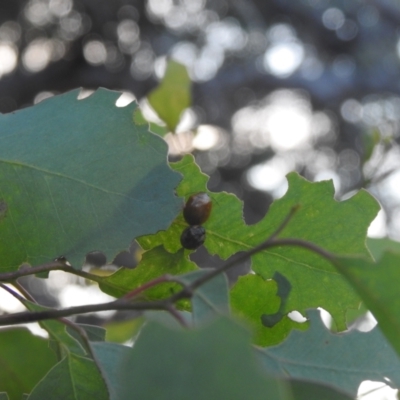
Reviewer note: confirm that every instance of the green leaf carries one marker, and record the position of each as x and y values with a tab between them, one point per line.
377	284
369	142
73	378
93	332
77	176
173	95
194	181
154	263
253	298
155	128
339	227
211	299
167	319
109	356
57	331
342	361
301	390
215	362
122	331
24	360
378	246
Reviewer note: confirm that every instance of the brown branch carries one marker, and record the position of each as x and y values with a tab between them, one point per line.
175	313
161	279
35	316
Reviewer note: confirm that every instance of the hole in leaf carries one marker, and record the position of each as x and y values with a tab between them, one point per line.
96	258
296	316
124	259
204	260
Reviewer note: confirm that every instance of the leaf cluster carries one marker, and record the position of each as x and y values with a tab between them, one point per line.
197	336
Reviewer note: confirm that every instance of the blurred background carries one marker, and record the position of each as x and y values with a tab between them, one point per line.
278	85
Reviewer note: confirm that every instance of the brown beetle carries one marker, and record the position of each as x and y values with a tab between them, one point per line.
197	209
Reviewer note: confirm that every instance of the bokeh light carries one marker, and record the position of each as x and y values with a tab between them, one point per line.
37	55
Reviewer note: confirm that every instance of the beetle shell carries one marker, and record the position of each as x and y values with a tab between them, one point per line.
193	237
197	209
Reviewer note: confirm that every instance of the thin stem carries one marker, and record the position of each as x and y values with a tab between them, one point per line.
303	243
244	256
86	341
65	321
150	284
34	316
52	266
12	292
167	304
284	223
186	292
359	397
82	333
21	289
175	313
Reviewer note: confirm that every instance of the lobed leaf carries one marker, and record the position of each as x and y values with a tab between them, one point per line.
78	176
342	361
193	181
154	263
339	227
252	299
377	285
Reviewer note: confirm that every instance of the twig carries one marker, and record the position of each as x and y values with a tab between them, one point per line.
270	242
13	293
161	279
167	304
184	293
48	267
303	243
64	321
22	290
283	224
34	316
82	333
175	313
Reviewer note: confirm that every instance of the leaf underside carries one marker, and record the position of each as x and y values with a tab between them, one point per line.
339	227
